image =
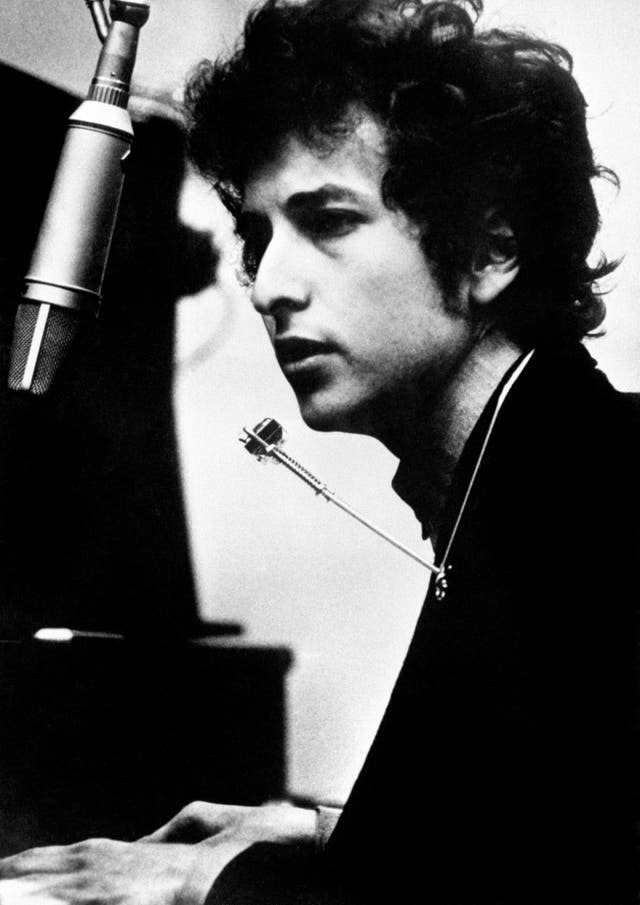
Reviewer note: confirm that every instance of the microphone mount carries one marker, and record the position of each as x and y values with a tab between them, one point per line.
134	12
118	30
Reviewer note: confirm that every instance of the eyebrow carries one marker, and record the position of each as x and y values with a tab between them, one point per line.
323	195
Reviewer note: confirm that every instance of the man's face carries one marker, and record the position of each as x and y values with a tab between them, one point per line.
359	323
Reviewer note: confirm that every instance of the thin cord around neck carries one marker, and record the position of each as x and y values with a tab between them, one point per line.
501	398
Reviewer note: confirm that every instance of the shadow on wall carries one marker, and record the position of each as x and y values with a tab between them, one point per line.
92	526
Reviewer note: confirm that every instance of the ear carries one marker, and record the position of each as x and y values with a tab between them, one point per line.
495	264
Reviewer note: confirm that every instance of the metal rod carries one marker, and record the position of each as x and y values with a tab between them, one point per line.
100	18
322	490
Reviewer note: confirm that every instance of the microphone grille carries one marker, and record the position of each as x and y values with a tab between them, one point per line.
36	352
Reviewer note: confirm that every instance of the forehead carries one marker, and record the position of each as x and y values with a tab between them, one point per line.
354	166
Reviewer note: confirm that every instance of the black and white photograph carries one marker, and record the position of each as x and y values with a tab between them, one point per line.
320	452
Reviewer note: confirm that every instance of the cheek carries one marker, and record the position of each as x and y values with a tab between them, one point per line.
384	300
395	274
404	332
399	306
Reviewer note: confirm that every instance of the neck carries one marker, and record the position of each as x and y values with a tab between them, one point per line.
434	438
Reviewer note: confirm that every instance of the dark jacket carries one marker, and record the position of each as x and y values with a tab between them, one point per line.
503	770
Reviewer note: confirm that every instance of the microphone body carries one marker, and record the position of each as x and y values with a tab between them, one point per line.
64	283
70	257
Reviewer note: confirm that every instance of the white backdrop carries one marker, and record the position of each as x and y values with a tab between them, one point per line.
265	550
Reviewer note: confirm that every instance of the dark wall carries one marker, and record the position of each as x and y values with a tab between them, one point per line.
92	523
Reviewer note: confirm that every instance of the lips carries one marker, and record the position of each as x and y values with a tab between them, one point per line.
294	352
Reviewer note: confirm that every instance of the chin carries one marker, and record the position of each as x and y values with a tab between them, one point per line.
324	415
316	417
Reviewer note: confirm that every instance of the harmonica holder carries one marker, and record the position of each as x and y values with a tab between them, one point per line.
265	442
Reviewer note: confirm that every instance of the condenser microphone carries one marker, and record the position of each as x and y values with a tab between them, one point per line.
63	286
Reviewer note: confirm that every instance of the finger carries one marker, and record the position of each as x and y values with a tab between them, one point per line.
195	822
25	892
164	833
49	859
185	831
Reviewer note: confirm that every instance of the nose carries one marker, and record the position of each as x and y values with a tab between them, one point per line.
281	281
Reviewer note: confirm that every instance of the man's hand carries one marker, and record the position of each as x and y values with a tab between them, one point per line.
160	869
104	872
282	823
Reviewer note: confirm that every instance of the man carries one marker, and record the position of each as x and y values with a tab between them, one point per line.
415	204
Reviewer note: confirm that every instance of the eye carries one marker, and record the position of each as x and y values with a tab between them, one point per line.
329	222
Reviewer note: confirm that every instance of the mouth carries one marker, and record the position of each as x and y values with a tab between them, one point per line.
295	354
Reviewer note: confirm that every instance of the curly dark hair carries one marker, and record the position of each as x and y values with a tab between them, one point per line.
476	121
